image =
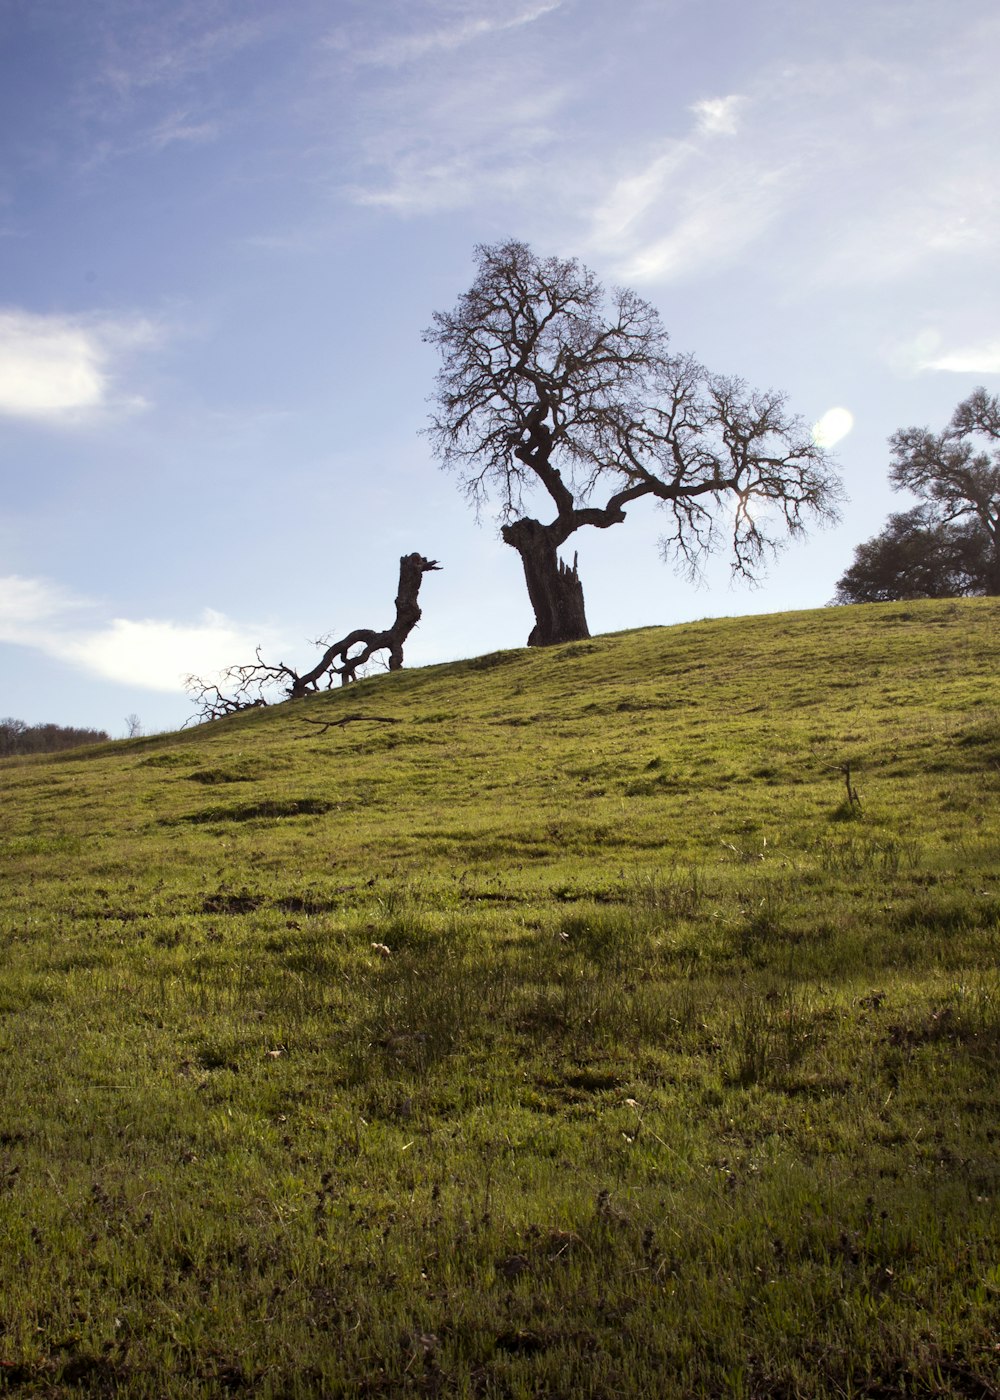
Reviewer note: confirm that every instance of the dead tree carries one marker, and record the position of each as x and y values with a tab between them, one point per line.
260	682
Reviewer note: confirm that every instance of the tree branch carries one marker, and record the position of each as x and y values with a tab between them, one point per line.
325	724
261	682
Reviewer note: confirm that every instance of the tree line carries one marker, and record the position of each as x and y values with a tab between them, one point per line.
17	737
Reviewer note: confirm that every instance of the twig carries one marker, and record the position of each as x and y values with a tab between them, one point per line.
853	800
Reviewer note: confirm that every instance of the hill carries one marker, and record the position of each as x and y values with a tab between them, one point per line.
616	1019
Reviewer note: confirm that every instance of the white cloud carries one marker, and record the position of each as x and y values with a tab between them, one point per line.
927	350
48	366
59	368
27	602
154	653
717	115
978	359
159	655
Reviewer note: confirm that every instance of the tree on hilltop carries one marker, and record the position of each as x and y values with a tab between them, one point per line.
549	388
948	545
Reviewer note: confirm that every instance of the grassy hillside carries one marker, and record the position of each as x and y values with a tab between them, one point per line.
579	1032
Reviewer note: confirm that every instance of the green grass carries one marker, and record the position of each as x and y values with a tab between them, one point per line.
575	1035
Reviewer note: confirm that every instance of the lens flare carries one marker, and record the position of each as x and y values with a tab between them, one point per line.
835	424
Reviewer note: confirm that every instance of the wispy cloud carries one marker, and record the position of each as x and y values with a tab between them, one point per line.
28	603
160	77
474	22
837	164
631	197
177	128
174	46
973	359
60	369
154	653
472	142
717	205
462	110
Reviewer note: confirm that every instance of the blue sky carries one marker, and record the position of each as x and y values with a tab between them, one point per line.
225	224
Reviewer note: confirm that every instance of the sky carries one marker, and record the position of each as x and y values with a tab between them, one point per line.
225	224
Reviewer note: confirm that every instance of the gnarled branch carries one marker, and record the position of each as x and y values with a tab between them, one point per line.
261	682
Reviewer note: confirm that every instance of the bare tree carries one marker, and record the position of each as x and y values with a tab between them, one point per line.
261	682
133	726
549	387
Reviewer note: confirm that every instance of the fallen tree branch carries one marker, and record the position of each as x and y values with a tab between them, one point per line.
325	724
259	682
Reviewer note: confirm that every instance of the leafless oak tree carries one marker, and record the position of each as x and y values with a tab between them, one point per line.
549	387
259	682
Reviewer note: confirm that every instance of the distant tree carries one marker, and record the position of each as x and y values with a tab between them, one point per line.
548	387
260	682
949	545
916	556
133	726
16	737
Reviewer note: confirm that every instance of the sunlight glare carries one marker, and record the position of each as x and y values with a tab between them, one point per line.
835	424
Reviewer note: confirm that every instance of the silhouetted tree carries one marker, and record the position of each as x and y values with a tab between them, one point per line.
259	682
916	556
549	387
949	545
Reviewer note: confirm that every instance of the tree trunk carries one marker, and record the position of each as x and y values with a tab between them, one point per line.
990	521
554	589
993	574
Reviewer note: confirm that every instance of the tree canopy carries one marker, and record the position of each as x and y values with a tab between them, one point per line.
916	556
948	545
550	389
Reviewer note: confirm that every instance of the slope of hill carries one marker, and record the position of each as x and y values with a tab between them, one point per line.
615	1019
